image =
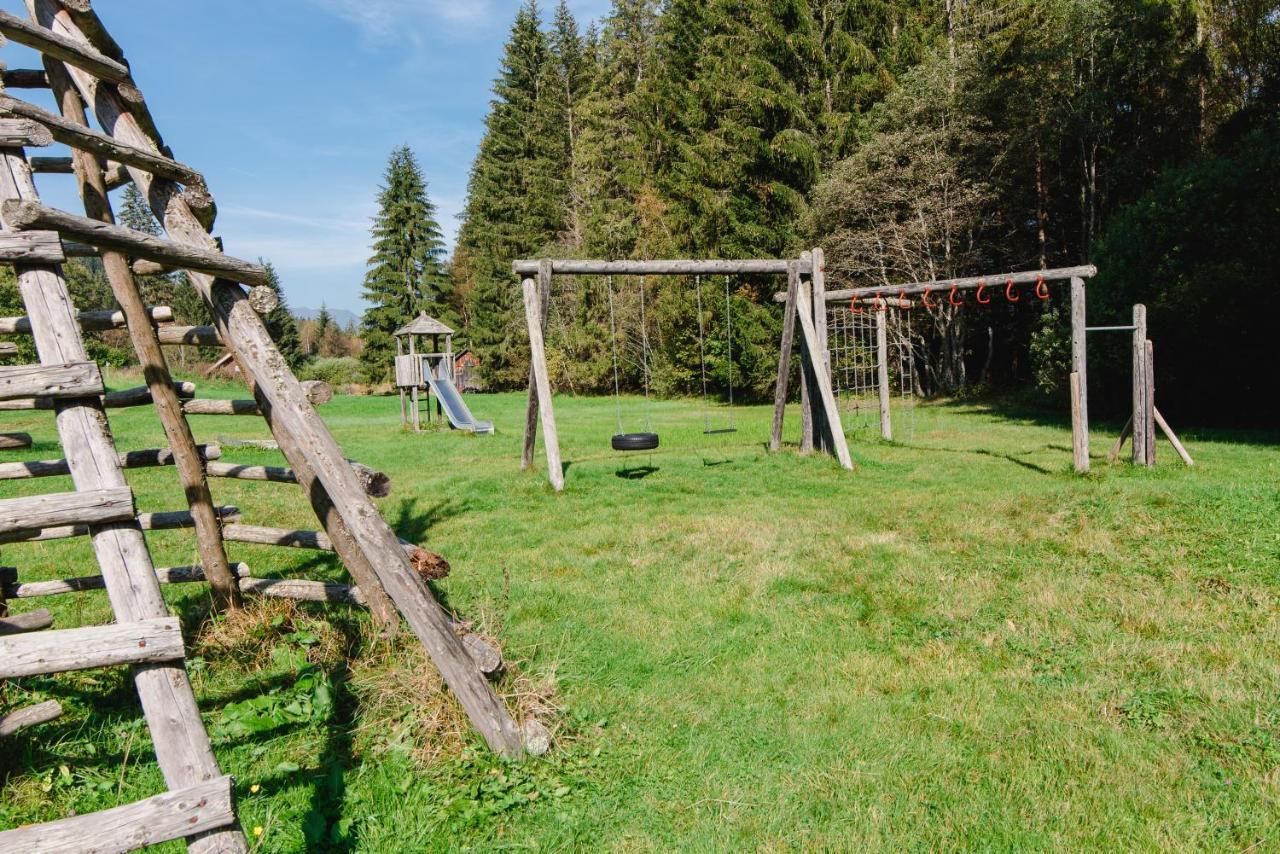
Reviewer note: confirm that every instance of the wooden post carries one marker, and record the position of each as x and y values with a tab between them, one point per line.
1140	413
1080	370
784	357
807	391
533	312
308	445
818	282
531	410
1149	406
822	382
882	373
404	415
146	343
415	407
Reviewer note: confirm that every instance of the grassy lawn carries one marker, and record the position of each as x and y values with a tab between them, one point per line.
959	646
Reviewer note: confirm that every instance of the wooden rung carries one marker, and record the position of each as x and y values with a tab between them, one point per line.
139	396
85	139
194	336
376	484
116	176
52	165
41	713
8	349
318	393
50	382
31	247
23	215
14	589
153	458
24	133
61	47
24	78
166	521
32	621
64	650
173	815
90	321
93	507
14	441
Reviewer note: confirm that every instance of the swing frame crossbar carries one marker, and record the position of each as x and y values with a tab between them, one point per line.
820	417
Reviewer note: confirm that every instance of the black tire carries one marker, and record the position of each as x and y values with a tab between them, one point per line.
635	441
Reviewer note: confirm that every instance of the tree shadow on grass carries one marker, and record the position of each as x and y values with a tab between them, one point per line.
414	524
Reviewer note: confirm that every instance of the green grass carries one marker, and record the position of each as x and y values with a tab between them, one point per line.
959	646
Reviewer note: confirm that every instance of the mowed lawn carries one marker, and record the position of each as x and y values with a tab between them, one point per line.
960	645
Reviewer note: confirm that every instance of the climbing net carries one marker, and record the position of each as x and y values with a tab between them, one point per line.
855	367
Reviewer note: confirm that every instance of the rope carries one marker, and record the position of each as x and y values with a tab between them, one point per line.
644	356
728	319
613	334
702	358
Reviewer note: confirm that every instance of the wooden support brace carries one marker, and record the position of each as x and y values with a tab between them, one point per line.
1125	433
542	384
173	815
141	642
784	357
1172	437
531	408
804	312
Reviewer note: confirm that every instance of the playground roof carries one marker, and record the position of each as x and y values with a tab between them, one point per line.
423	325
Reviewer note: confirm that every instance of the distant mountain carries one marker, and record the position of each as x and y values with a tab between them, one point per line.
340	316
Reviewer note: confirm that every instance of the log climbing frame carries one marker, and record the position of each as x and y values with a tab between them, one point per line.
85	71
805	309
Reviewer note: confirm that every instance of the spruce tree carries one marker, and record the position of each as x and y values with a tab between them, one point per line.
281	324
406	273
135	213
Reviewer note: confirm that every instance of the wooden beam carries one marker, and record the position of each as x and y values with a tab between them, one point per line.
376	484
531	406
31	247
659	268
784	358
318	393
41	713
189	336
63	586
50	382
1140	413
14	441
364	539
89	321
168	520
93	142
59	47
882	375
50	165
91	507
32	621
1080	369
173	815
139	396
1024	277
152	458
1079	448
538	356
804	312
24	78
45	653
1172	437
1125	433
24	215
23	133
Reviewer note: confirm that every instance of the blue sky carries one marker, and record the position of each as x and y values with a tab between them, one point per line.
290	108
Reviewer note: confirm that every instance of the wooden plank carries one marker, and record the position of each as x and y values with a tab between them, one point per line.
1140	413
14	441
1172	437
173	815
25	215
140	642
1079	369
152	458
804	312
100	144
23	133
575	267
784	358
171	520
89	321
140	396
41	713
363	538
538	356
32	621
67	50
882	374
179	740
90	507
33	247
50	382
531	408
164	575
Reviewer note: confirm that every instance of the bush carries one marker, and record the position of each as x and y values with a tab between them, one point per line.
340	372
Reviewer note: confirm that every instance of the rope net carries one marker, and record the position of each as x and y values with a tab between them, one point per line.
855	369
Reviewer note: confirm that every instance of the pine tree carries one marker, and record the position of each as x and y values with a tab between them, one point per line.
406	273
281	324
135	213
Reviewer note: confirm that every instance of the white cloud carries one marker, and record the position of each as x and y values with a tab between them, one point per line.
382	21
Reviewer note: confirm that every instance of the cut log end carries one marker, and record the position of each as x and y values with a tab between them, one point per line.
536	737
263	299
318	392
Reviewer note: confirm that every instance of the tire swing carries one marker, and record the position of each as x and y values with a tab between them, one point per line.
707	429
623	441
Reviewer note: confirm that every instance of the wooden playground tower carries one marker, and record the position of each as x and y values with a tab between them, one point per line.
87	75
413	367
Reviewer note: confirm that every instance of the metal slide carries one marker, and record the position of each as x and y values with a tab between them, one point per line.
454	406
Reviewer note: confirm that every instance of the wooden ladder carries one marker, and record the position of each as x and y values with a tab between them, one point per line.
199	803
